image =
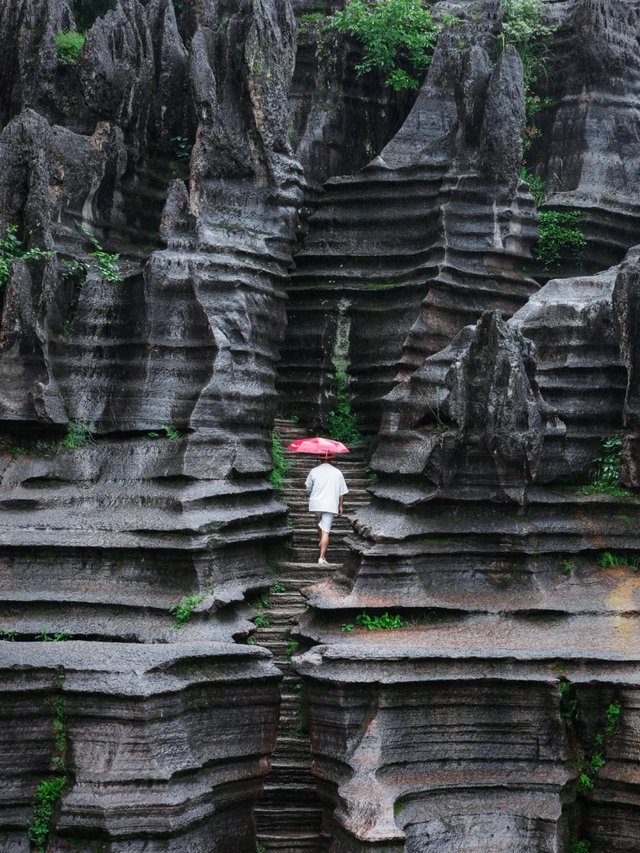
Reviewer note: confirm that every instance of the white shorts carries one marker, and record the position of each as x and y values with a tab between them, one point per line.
325	520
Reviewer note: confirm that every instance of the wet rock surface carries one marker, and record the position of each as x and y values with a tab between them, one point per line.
138	364
213	196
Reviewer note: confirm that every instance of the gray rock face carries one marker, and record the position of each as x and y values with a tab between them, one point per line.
134	739
399	257
138	389
149	337
589	152
472	539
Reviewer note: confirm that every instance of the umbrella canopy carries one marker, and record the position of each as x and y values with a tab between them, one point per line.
318	445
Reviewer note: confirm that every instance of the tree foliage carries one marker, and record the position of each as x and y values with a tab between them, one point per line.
397	37
523	27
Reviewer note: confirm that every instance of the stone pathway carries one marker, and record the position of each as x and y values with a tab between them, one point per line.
289	815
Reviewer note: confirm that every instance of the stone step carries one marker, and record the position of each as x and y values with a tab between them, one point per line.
289	815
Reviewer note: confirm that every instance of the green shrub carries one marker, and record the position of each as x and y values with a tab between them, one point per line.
280	464
522	26
183	609
559	234
580	847
607	560
605	476
78	434
48	794
384	622
69	45
107	263
397	37
342	424
11	249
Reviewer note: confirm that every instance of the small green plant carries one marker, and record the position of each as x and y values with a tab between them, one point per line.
262	602
169	432
441	426
260	848
183	609
605	476
292	647
280	465
56	637
73	268
65	335
251	640
580	847
48	794
277	587
567	567
384	622
107	264
78	435
612	718
262	621
559	234
537	186
397	37
590	764
568	703
11	249
607	560
9	635
523	27
342	424
69	45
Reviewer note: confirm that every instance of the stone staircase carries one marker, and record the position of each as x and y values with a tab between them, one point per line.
289	814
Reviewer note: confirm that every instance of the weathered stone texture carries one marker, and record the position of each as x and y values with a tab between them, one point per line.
171	739
429	229
590	149
209	147
171	370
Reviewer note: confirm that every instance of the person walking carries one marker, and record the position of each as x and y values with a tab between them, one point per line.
327	490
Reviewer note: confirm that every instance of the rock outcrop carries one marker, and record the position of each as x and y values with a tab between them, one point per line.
137	359
436	227
501	574
205	190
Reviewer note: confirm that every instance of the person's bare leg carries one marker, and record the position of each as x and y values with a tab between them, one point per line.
324	543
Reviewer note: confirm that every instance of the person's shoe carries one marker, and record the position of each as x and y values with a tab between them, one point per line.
323	562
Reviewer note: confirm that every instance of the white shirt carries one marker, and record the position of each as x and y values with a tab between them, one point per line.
327	486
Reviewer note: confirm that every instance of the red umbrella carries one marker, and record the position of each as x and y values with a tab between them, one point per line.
318	445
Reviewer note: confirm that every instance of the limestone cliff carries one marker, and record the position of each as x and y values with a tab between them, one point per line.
219	221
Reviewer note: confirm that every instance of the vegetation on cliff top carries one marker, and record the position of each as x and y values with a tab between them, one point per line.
397	37
524	28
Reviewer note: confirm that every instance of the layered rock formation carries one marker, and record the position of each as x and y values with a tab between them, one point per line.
516	595
433	231
137	361
157	180
497	582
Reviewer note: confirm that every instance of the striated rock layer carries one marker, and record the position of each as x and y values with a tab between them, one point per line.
430	233
516	591
137	367
136	726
